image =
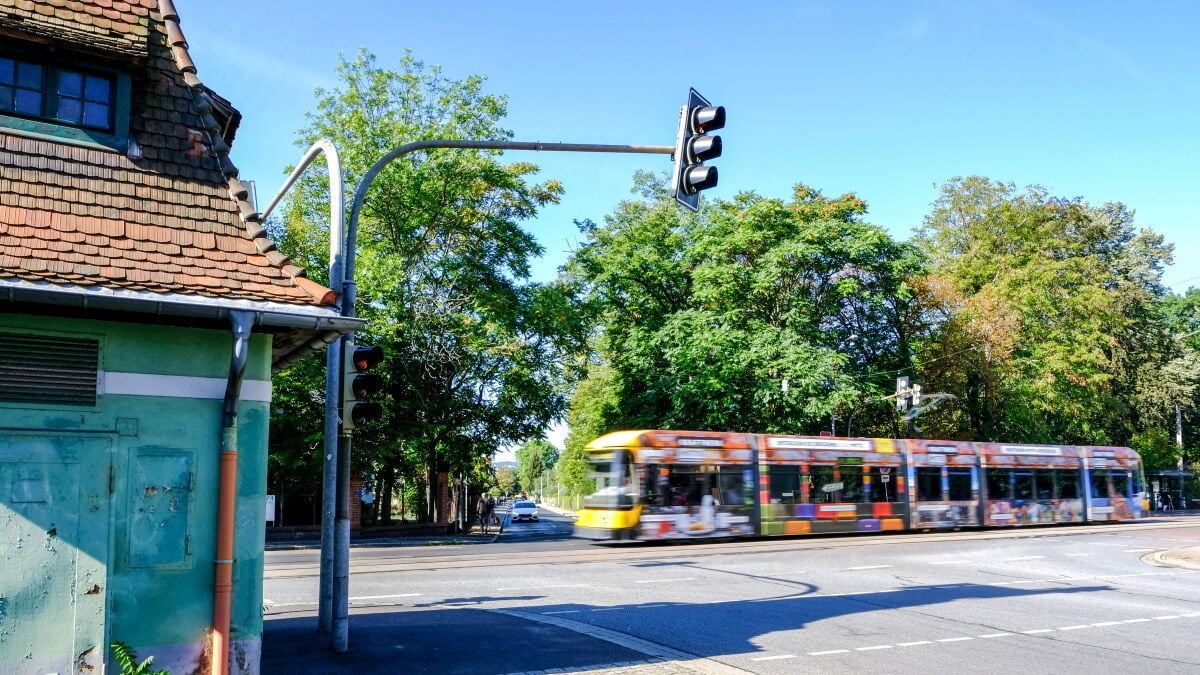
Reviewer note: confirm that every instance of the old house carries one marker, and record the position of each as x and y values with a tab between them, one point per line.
142	313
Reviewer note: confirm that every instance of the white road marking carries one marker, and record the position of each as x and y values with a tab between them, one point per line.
655	581
831	651
564	611
526	588
871	649
868	567
913	644
1136	621
1080	627
956	639
607	609
384	597
1139	550
1107	623
1165	618
774	658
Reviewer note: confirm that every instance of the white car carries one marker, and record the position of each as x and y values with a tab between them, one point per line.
524	511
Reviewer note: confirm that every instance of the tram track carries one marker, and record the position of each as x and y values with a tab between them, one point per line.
380	561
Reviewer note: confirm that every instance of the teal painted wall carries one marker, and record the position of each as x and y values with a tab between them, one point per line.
160	406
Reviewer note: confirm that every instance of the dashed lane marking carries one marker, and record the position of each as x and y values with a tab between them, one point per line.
868	567
775	658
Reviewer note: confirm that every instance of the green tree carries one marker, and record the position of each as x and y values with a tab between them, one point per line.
704	316
473	347
535	459
1046	321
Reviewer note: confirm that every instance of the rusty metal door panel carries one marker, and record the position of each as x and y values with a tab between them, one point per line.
54	513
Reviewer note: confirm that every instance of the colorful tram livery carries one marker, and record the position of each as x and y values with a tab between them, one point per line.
704	484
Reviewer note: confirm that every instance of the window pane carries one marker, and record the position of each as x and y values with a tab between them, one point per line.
785	484
881	490
70	84
998	485
29	76
1023	485
6	98
95	115
8	71
822	477
1068	485
852	484
28	102
960	486
929	484
1044	483
98	89
69	110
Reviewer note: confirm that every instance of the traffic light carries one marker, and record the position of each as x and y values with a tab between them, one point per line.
916	394
902	393
358	384
693	146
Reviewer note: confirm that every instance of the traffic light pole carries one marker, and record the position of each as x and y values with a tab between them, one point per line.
340	562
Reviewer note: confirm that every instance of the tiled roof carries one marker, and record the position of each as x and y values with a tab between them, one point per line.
105	25
168	216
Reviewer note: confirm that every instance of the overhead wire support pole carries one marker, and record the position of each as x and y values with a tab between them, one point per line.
341	526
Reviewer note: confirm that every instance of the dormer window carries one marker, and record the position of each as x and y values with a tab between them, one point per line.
68	97
58	94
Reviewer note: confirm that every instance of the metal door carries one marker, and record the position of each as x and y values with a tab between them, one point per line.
54	516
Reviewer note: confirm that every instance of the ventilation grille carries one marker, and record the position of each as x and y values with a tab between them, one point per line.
47	369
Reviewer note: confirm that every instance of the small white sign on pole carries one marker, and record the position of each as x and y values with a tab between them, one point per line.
270	508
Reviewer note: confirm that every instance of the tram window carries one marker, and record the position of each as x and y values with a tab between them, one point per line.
731	480
852	484
785	484
1100	484
999	484
1023	485
1043	483
1068	484
688	484
929	484
654	483
881	490
821	477
960	485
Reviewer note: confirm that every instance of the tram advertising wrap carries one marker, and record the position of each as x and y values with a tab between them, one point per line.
686	485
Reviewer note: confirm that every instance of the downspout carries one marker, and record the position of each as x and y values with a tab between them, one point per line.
227	496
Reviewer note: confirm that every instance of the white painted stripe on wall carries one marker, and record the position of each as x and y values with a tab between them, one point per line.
178	386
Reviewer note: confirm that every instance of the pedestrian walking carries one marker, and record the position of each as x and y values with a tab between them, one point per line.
483	510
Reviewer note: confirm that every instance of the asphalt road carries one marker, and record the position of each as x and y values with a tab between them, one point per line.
1045	600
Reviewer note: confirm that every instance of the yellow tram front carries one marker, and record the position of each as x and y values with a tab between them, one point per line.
669	485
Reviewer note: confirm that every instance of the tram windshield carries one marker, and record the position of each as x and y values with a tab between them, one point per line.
613	474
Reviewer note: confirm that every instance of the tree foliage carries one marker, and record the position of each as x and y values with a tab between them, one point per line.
473	348
702	318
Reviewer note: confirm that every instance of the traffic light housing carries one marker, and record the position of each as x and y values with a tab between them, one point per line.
902	393
916	395
358	384
693	146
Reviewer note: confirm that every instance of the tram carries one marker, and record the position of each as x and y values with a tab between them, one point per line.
655	484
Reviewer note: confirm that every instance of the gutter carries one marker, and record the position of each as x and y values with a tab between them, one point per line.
227	495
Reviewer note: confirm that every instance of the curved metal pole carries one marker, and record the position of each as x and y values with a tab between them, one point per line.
333	365
341	579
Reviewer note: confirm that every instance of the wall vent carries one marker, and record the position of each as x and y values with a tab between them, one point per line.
48	369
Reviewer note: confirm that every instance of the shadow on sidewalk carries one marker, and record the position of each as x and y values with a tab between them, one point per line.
448	640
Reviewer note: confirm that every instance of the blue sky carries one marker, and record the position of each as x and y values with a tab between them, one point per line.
884	99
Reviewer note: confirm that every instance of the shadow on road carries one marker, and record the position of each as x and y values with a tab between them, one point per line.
451	639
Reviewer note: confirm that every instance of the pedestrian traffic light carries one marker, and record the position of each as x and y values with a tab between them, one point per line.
693	146
916	394
358	384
